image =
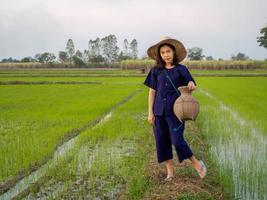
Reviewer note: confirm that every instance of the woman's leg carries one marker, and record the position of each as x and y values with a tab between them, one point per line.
169	166
176	129
183	150
163	143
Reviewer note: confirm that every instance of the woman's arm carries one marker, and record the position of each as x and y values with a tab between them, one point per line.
151	99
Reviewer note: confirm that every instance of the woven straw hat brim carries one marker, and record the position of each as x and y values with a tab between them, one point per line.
179	47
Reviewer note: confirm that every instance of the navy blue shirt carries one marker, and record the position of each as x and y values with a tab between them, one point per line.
165	93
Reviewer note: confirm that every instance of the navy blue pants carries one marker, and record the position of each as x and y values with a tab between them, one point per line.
168	131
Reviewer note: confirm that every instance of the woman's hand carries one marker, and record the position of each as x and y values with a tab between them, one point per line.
151	118
191	86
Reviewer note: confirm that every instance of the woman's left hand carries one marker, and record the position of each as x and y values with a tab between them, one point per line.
191	86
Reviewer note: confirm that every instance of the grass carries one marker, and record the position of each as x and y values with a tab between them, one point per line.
35	119
234	126
246	95
110	159
195	196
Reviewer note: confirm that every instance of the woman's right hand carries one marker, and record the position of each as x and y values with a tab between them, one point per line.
151	118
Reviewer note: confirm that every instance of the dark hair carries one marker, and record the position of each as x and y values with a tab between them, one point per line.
160	62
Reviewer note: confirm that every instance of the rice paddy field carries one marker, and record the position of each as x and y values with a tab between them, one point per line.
83	134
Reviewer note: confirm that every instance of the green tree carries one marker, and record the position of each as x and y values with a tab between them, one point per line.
79	54
27	59
78	61
263	38
110	48
9	60
94	51
133	48
125	50
195	53
70	49
63	56
239	56
45	57
209	58
122	56
85	55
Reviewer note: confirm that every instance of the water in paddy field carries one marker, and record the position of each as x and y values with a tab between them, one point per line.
47	187
238	148
35	176
87	155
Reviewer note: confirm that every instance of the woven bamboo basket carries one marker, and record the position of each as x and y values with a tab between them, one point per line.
186	107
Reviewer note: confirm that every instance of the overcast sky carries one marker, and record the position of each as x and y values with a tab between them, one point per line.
220	28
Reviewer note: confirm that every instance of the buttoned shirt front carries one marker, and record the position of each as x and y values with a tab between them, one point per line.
165	93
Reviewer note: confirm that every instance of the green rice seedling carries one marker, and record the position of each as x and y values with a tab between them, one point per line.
237	146
247	95
113	159
36	119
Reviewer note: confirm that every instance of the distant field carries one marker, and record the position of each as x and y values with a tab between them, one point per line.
66	71
100	80
111	72
229	71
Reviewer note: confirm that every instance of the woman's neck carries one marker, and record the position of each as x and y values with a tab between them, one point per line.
169	66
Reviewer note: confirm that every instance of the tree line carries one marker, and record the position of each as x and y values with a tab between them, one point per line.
101	50
107	52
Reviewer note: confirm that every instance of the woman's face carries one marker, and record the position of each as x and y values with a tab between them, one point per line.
166	54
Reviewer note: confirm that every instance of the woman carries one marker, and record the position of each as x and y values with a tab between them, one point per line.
168	130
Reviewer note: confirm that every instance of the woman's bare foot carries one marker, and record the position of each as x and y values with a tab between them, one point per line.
169	178
200	168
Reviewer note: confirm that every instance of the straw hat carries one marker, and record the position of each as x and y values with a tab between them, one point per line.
179	47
